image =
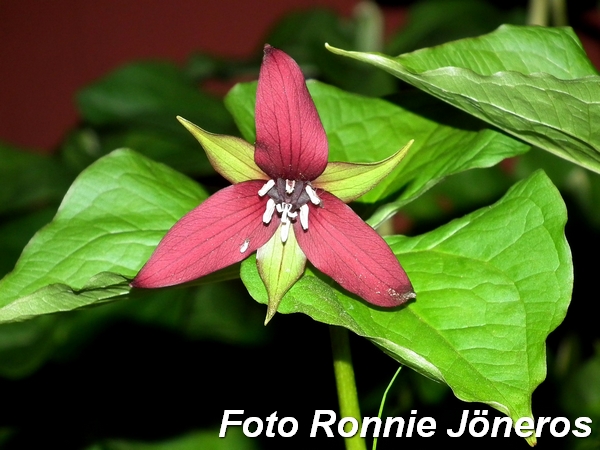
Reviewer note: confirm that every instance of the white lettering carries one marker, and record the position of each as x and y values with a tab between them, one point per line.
565	430
522	429
353	429
580	423
422	428
246	427
226	422
325	425
484	422
281	429
388	426
365	426
496	426
271	423
411	423
540	425
463	425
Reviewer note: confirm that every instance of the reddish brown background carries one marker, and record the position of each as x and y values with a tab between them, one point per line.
50	49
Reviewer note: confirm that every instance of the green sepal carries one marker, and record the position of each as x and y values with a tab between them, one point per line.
280	265
348	181
232	157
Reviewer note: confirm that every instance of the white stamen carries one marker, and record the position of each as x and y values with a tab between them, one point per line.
289	186
269	211
314	198
285	213
244	246
304	217
266	188
285	230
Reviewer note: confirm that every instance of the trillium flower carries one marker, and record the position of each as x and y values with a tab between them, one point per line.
287	203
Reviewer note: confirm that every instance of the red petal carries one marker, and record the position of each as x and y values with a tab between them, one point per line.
209	238
290	140
341	245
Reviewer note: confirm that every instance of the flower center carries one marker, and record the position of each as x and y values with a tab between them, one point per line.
290	199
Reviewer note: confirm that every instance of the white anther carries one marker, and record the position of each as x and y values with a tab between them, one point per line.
304	217
244	246
285	212
314	198
266	188
285	230
269	211
292	215
289	186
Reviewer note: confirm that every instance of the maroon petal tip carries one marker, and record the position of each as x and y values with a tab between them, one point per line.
224	230
290	139
341	245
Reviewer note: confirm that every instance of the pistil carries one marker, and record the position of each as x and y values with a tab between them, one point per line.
290	198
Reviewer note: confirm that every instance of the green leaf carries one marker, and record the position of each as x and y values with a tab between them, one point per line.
535	83
150	93
490	288
455	195
362	129
174	147
434	22
110	221
302	34
30	179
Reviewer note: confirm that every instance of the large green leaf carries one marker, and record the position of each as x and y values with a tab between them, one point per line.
535	83
30	179
361	129
490	288
174	147
302	34
136	107
150	93
434	22
110	221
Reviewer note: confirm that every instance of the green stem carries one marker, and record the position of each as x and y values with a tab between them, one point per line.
369	27
559	13
346	386
537	12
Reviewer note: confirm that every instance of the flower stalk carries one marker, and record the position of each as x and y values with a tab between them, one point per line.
346	385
